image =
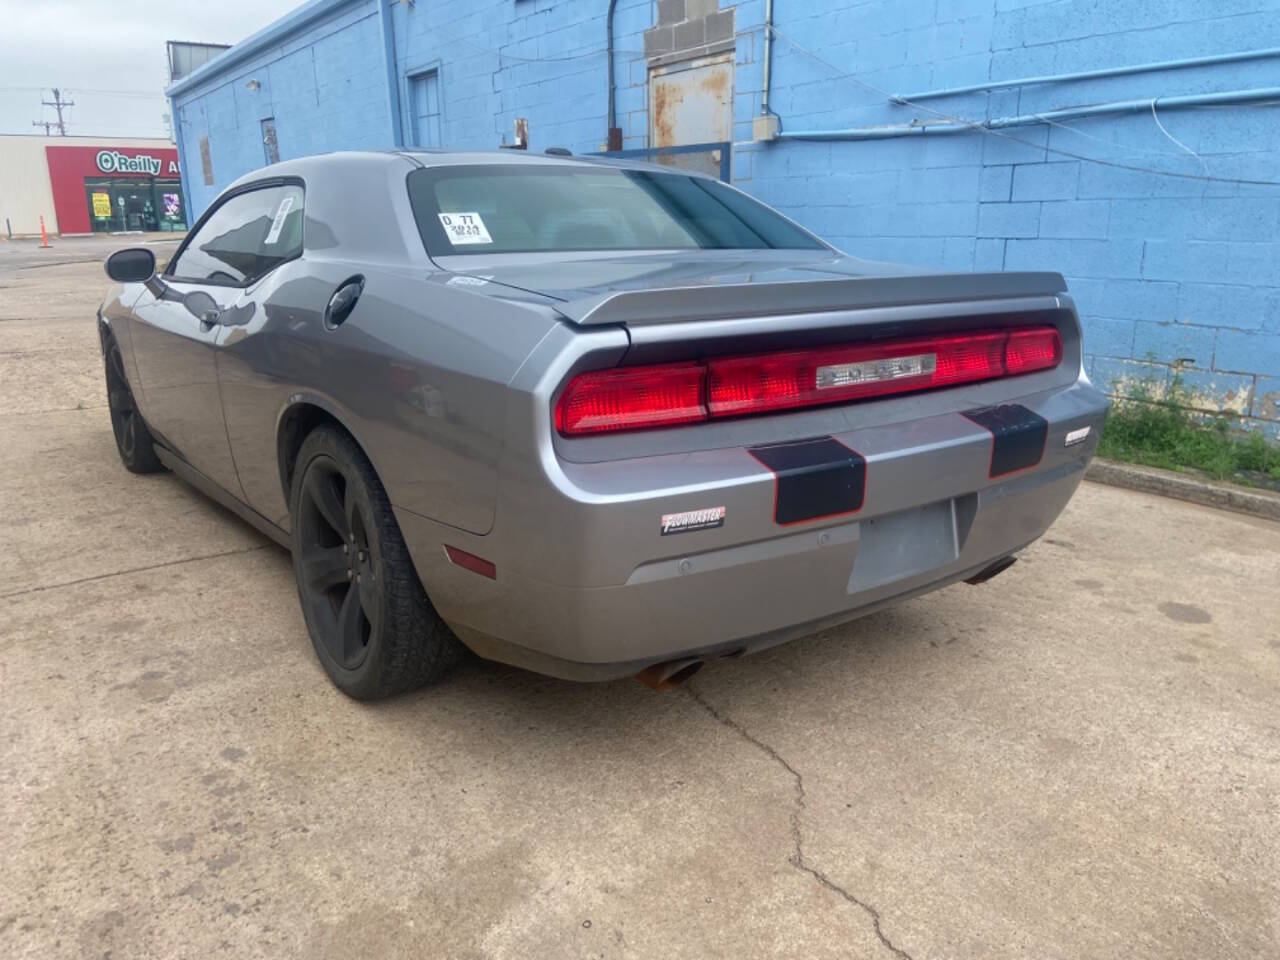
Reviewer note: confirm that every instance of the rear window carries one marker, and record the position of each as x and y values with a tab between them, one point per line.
507	208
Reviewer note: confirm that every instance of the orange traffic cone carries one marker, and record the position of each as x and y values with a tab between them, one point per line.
44	237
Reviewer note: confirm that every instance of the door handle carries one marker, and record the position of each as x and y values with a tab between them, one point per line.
203	307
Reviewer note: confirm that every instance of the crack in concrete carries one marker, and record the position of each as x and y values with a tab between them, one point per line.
125	573
797	858
60	263
37	413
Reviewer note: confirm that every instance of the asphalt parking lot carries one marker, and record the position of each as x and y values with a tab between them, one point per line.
1080	758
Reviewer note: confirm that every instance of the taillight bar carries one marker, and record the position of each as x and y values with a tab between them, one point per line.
662	395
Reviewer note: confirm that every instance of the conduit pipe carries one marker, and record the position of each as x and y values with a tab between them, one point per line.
613	135
1090	74
1055	116
768	54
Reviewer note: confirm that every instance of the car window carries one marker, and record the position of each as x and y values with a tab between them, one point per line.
250	234
514	209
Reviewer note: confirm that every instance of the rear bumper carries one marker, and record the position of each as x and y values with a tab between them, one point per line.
588	588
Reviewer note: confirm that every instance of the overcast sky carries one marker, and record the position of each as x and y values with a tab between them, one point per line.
108	56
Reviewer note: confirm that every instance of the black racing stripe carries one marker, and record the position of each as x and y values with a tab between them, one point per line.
816	478
1018	436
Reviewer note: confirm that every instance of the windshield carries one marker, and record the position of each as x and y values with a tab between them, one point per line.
509	208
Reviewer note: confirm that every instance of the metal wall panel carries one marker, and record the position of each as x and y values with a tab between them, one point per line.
692	103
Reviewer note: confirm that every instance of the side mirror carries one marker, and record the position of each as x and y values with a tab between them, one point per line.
135	265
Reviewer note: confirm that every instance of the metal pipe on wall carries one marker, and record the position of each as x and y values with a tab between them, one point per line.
614	136
768	55
392	73
1055	116
1090	74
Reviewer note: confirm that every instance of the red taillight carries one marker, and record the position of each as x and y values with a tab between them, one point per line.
630	398
805	378
1039	348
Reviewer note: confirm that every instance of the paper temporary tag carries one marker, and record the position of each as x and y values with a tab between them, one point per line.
277	222
463	228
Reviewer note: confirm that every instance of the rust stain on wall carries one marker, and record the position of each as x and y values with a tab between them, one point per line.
666	98
716	82
1267	406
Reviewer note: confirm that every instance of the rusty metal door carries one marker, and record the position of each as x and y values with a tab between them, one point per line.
692	102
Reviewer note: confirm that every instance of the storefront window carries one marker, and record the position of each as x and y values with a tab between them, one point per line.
135	203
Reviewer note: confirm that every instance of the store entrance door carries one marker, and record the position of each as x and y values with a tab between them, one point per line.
116	205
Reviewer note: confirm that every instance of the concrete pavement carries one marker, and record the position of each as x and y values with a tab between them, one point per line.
1080	758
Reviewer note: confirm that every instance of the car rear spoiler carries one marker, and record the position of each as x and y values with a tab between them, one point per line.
674	304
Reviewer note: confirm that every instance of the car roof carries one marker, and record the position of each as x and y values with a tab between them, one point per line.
368	161
357	205
435	158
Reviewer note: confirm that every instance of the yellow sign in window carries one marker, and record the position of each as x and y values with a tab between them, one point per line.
102	206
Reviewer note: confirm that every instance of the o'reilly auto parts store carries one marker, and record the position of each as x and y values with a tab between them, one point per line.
89	185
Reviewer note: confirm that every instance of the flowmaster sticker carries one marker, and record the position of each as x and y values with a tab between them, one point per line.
1077	436
277	222
463	228
690	520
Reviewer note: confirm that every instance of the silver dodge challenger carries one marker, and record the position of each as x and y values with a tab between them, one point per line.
592	418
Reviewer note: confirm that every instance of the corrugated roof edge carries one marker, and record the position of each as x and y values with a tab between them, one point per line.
272	33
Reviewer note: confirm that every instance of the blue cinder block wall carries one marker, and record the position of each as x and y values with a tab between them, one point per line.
320	76
1173	275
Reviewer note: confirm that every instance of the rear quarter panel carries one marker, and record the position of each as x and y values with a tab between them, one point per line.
417	374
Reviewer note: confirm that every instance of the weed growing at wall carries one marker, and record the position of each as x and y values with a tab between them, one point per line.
1151	425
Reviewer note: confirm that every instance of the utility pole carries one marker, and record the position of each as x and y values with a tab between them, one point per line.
57	103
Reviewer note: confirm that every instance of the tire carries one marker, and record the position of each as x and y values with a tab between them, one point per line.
133	440
372	626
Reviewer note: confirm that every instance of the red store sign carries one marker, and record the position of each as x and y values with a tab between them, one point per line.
71	167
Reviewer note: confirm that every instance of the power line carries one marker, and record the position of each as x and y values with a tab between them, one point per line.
96	91
1204	167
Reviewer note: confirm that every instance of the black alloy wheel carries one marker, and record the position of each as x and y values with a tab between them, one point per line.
373	628
336	574
133	439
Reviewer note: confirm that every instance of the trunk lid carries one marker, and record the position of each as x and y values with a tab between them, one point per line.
700	305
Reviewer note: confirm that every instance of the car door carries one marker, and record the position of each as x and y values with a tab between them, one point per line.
183	318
